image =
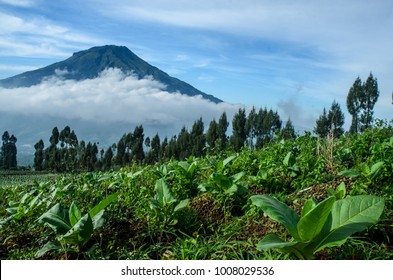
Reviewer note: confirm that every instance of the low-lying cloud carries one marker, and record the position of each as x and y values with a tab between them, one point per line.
113	97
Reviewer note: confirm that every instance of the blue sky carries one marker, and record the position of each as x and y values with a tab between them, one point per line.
293	56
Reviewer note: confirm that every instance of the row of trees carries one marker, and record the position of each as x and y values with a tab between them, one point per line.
255	129
66	154
360	103
8	152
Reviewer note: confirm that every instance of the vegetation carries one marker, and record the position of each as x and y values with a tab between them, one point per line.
223	205
261	193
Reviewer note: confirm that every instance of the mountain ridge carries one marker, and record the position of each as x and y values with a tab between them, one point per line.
87	64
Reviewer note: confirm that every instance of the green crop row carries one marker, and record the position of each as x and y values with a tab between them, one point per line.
290	199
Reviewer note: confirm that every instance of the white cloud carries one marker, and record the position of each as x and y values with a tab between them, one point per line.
38	37
110	98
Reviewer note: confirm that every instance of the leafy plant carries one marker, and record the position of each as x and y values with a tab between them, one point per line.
73	230
164	208
227	190
326	224
23	208
366	173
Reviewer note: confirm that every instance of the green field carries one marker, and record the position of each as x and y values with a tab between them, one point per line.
213	207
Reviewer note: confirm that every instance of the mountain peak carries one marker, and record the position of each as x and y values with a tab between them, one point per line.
90	63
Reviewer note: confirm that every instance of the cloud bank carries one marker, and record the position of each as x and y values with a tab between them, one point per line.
113	97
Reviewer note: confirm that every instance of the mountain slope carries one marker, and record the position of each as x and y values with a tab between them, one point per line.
89	63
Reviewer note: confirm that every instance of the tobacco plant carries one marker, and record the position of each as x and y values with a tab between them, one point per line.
73	230
163	209
326	224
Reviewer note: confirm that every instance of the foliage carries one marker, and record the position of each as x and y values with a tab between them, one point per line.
8	152
361	100
164	208
73	230
200	207
328	223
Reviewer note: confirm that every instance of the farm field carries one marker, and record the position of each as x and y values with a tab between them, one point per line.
283	201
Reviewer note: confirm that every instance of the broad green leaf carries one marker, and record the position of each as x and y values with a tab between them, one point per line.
34	201
104	203
227	160
238	176
184	164
340	191
279	212
50	246
352	173
350	215
308	206
312	223
273	241
204	187
376	167
98	219
192	168
182	204
74	214
222	181
286	159
163	192
57	219
81	232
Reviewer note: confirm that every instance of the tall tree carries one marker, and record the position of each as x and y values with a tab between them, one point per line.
288	132
107	159
138	153
8	152
198	139
39	156
212	135
370	97
332	122
239	131
251	127
354	98
336	120
361	100
222	128
322	125
183	147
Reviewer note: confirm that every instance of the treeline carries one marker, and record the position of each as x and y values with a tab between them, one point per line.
8	152
253	130
66	154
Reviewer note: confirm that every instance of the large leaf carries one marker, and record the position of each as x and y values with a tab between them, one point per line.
181	205
273	241
164	193
98	219
57	219
352	173
310	225
374	170
74	214
50	246
279	212
81	232
104	203
308	206
237	176
350	215
222	182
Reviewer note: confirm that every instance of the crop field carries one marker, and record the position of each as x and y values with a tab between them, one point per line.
307	198
15	178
